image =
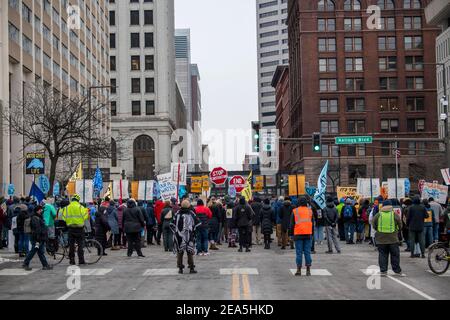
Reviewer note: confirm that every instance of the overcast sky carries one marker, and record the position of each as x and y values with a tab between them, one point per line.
223	44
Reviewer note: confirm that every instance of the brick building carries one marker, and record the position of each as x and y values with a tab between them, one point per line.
349	78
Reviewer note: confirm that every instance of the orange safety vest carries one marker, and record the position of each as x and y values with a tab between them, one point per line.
303	221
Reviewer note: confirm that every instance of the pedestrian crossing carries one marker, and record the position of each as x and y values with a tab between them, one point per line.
315	272
376	271
16	272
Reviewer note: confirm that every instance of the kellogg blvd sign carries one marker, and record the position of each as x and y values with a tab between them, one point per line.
218	176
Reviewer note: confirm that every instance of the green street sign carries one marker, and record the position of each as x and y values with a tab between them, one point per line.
353	140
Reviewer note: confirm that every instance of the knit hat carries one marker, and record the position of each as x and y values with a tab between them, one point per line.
303	202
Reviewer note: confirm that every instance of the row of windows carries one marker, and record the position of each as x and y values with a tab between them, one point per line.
355	24
385	104
136	85
384	43
329	5
135	40
134	17
136	108
357	84
135	61
384	64
387	148
359	126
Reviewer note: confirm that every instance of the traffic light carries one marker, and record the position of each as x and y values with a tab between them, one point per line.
317	142
255	136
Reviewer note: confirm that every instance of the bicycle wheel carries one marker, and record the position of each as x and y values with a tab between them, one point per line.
93	251
55	257
438	258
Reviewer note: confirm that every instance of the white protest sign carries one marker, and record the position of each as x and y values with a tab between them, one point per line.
400	188
182	173
85	190
167	187
436	191
446	175
145	190
116	189
363	187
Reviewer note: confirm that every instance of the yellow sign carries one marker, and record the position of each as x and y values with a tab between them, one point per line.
293	185
205	184
259	184
247	192
71	187
345	192
135	189
196	184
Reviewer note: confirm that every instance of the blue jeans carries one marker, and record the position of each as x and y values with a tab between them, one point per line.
303	247
436	231
24	240
318	233
40	251
349	228
202	240
428	232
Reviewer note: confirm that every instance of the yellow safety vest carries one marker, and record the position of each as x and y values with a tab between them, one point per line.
75	214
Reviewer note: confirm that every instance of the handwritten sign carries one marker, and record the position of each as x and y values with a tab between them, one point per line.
145	190
436	191
85	190
196	184
348	192
167	188
400	189
364	189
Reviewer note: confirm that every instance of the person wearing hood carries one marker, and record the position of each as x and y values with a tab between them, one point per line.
113	221
102	227
341	228
301	225
213	223
166	217
415	221
204	214
428	224
231	228
438	213
132	224
243	216
349	216
387	224
267	222
183	226
122	235
285	215
151	223
159	206
330	216
256	207
24	238
362	220
405	208
276	206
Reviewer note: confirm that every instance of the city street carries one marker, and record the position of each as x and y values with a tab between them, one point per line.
225	275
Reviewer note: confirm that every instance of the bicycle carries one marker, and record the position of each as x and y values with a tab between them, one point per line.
439	257
58	250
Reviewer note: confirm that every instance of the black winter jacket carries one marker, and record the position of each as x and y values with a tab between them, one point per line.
416	216
133	220
243	215
256	207
267	219
21	217
101	224
285	215
39	231
330	214
213	223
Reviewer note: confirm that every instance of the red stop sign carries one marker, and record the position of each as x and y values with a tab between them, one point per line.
218	175
238	182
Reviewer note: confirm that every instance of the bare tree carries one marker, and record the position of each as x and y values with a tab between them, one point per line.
52	122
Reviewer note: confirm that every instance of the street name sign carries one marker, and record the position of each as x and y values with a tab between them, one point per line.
353	140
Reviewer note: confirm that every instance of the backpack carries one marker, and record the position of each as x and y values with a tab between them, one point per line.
347	212
27	226
168	216
364	215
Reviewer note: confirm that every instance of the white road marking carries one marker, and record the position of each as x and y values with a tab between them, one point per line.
229	271
390	273
93	272
68	294
160	272
447	274
16	272
412	288
314	272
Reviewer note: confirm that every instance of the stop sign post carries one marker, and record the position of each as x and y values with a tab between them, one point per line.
238	182
218	176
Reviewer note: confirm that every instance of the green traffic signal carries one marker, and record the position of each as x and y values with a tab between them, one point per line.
316	148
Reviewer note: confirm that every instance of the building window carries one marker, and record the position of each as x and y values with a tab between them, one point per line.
27	44
355	104
113	153
149	85
412	23
13	33
330	150
414	63
352	24
386	4
327	127
134	17
113	108
112	40
387	63
356	126
135	63
415	125
149	40
388	104
112	18
355	172
328	84
135	85
26	13
327	44
148	17
326	24
415	42
352	5
135	108
416	148
354	84
411	4
325	5
327	65
14	4
353	44
112	63
415	104
414	83
389	125
328	105
149	107
353	64
388	83
149	62
387	23
134	37
113	86
386	43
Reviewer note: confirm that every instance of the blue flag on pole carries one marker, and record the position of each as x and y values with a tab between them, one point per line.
98	182
319	197
36	192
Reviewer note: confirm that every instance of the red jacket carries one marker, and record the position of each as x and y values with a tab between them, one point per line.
203	210
159	206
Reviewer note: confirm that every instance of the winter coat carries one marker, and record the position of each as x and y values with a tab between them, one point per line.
330	214
39	232
204	214
133	220
256	207
150	212
159	206
229	215
319	220
113	219
276	206
21	217
101	224
354	217
243	215
213	223
120	211
437	211
416	216
183	226
267	219
387	238
49	214
2	218
166	222
285	215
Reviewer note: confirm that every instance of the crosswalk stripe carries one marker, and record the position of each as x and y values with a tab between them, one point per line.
447	274
16	272
228	271
314	272
160	272
369	272
92	272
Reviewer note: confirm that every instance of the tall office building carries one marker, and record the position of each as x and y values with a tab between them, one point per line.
272	51
183	68
142	67
38	41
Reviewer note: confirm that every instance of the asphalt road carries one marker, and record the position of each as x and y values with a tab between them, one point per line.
225	274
